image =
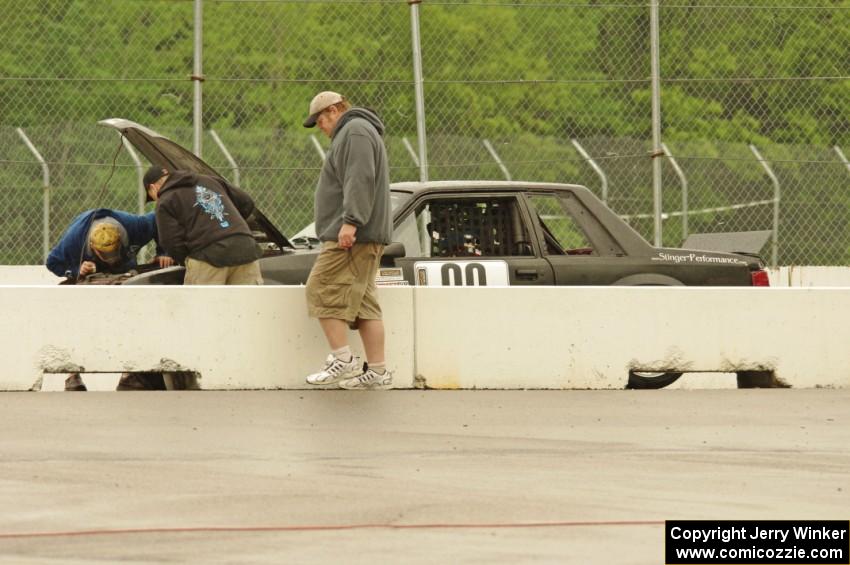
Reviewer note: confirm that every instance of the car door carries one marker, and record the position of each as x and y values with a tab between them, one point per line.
576	244
470	239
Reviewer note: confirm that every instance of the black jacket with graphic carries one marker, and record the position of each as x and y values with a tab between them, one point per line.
194	211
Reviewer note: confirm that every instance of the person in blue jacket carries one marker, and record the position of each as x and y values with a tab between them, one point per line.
104	240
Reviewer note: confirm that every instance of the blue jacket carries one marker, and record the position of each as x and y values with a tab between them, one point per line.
73	248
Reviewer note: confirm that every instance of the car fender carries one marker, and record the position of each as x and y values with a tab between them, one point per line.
648	279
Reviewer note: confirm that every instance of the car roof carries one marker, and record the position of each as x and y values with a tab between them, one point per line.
454	185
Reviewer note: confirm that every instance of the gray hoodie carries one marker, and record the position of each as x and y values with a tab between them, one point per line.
354	186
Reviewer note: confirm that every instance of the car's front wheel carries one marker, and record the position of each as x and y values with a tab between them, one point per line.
643	380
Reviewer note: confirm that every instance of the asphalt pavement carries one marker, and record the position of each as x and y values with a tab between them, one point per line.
406	476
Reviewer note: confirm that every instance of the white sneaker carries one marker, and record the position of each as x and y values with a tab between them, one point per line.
370	380
335	371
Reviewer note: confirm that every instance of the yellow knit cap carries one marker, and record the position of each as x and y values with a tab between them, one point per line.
105	238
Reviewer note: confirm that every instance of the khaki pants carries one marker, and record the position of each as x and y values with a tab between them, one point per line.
342	283
201	272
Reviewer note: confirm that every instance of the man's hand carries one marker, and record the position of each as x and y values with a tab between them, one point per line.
87	268
164	261
346	238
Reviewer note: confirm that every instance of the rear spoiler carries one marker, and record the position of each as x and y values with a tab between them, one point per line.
744	242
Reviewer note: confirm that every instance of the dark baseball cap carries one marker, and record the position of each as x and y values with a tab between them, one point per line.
154	174
151	176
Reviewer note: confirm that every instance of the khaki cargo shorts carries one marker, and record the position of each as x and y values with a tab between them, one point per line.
201	272
342	283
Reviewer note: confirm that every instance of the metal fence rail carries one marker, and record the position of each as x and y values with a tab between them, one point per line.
550	91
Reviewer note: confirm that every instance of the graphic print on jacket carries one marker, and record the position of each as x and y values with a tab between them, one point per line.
211	203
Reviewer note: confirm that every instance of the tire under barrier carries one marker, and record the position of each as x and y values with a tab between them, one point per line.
642	380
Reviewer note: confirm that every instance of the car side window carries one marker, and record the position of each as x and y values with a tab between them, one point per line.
465	227
562	234
412	233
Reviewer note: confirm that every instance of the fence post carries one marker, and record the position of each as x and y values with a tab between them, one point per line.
776	196
410	150
684	180
198	79
656	118
595	167
318	147
227	156
842	157
45	177
419	89
498	159
140	174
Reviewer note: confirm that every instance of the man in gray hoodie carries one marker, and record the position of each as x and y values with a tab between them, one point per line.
354	223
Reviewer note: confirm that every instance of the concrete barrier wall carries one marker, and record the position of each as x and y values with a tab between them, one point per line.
569	337
27	274
235	337
590	337
810	276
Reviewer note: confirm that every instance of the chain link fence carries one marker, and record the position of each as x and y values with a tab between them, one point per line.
544	91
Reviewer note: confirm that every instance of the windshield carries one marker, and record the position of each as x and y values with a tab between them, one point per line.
309	232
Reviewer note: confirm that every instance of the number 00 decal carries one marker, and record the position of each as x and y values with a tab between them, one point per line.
473	275
461	273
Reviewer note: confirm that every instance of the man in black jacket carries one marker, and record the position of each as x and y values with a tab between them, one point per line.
201	223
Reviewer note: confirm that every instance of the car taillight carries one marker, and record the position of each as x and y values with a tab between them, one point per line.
760	278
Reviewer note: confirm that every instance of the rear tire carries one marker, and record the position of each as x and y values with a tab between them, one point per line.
642	380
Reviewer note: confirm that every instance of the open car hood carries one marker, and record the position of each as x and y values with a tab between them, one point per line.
162	152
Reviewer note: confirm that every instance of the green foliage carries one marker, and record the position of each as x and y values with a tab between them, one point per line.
280	53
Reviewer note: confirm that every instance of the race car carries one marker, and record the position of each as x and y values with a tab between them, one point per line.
488	233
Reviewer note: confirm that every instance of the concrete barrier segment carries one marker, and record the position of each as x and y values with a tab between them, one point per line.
235	338
489	338
590	337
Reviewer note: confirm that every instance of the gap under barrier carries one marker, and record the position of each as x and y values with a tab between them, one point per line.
487	338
